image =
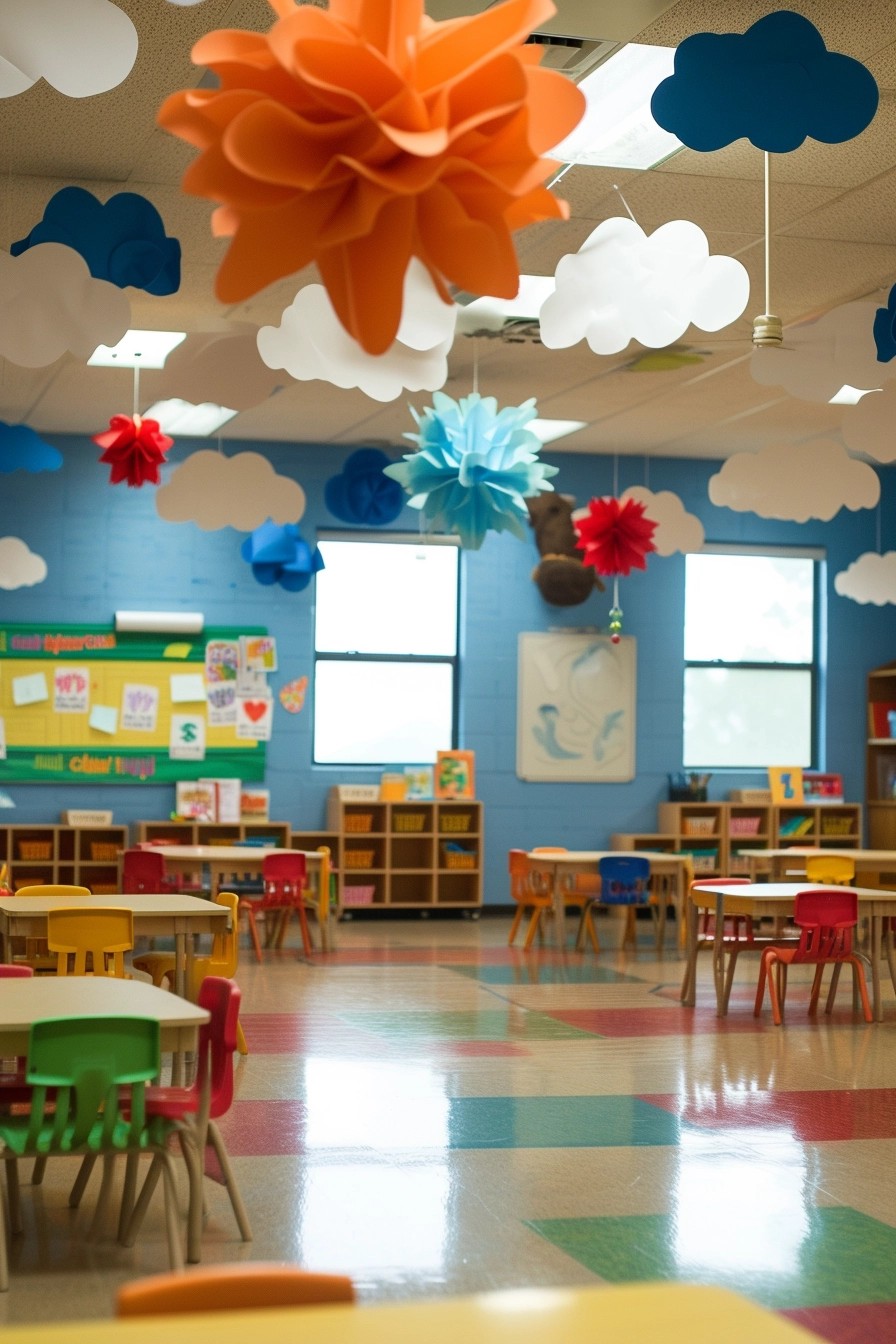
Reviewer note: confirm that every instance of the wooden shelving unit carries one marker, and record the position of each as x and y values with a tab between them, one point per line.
714	833
880	758
407	855
85	856
279	833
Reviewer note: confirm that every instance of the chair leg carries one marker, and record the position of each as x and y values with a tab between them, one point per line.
241	1043
534	926
236	1202
858	977
104	1199
83	1176
515	926
816	988
4	1255
246	907
37	1171
760	988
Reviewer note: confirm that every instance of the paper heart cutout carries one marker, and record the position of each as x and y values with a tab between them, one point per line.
255	709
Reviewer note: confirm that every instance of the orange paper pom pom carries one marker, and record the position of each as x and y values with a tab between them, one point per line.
366	134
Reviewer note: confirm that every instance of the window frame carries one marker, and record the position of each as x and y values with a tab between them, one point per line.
357	656
818	557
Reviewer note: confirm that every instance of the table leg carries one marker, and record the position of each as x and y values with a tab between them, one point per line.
877	1007
718	956
689	984
559	909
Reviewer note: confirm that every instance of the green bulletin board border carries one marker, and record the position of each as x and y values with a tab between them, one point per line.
93	764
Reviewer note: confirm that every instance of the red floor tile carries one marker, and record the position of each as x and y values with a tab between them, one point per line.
264	1128
870	1323
814	1117
654	1021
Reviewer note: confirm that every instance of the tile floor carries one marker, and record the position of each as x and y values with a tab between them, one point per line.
435	1113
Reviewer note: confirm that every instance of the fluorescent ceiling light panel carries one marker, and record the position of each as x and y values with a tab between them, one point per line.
176	416
548	430
617	130
138	349
851	396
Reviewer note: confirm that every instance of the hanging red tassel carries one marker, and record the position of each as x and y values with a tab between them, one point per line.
134	448
616	537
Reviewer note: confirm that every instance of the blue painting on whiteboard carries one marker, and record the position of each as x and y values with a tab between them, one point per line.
576	708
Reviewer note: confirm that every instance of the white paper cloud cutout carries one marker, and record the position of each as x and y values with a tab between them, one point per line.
625	285
871	578
868	427
51	304
818	358
677	530
81	47
214	491
312	343
225	369
795	482
20	567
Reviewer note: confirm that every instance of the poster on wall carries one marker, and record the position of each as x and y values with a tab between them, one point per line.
575	708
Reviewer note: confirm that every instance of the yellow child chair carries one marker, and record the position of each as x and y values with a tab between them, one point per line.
91	940
222	960
834	870
232	1288
35	952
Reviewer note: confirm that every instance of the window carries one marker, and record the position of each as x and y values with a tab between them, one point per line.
385	641
751	658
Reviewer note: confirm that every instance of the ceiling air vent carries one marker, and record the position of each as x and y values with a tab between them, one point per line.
572	56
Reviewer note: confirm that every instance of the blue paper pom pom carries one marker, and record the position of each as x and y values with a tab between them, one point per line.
281	555
361	494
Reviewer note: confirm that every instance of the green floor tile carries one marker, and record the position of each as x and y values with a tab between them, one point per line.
834	1256
499	1024
559	1122
589	974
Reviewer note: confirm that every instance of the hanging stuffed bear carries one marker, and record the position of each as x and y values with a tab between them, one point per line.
561	577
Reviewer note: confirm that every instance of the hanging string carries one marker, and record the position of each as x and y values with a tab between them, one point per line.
475	365
878	527
625	203
646	472
768	300
616	475
137	394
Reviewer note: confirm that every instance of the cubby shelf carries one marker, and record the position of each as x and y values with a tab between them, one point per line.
85	856
880	758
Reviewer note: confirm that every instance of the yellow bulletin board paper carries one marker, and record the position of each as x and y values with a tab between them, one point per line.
44	745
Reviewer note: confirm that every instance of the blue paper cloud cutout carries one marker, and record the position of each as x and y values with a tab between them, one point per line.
776	84
361	494
281	555
122	241
885	329
21	449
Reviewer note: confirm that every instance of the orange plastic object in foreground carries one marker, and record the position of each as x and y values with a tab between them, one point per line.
363	135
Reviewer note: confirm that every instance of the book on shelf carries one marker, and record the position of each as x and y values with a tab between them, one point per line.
882	714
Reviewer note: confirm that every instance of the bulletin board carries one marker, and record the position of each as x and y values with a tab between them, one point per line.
575	708
86	704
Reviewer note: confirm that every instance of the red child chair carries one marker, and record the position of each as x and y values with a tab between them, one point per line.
283	895
826	919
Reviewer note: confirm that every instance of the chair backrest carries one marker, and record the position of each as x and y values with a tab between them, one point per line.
224	956
54	889
87	1060
231	1287
721	882
101	934
142	870
825	919
518	868
220	998
17	972
283	876
624	879
835	869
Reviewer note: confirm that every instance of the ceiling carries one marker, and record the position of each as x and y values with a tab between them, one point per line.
833	225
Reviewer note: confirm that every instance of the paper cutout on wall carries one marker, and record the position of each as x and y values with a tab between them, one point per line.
103	719
139	708
625	285
20	567
122	240
676	529
358	136
225	370
292	694
361	494
870	578
776	84
214	491
80	47
187	737
281	555
867	427
71	690
135	449
222	660
21	449
51	304
310	342
795	482
187	688
220	705
475	467
254	716
258	653
30	689
819	357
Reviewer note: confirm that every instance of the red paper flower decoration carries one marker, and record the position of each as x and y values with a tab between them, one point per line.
359	136
616	538
134	448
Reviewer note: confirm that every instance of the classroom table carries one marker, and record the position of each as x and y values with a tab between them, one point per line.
564	864
675	1313
775	900
779	863
223	861
24	1001
156	915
